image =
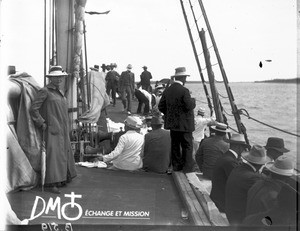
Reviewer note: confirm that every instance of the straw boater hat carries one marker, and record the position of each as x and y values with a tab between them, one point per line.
56	71
237	139
220	127
180	71
201	111
276	144
256	155
283	165
133	122
129	66
95	68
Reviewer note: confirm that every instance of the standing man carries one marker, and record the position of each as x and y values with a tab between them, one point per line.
112	80
126	86
178	107
49	111
145	79
201	124
223	167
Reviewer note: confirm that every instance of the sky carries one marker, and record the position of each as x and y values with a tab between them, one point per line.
153	33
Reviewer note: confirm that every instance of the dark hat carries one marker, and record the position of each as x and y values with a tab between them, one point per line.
237	139
103	66
276	144
11	70
145	67
256	155
220	127
95	68
56	71
180	71
283	165
157	120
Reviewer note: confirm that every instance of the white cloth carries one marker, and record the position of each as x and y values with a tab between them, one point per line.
233	152
148	96
127	153
200	126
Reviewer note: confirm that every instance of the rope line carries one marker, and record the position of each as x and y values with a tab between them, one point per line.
241	111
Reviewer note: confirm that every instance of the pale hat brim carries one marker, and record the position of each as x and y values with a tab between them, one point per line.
284	172
180	74
255	160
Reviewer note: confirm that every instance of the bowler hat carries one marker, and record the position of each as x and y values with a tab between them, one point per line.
237	139
283	165
56	71
133	122
220	127
157	120
95	68
256	155
180	71
129	66
276	144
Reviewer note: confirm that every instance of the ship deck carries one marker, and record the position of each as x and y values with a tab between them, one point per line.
114	199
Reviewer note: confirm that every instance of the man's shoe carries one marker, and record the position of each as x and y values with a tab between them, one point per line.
128	112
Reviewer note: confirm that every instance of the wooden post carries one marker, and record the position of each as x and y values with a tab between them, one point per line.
211	77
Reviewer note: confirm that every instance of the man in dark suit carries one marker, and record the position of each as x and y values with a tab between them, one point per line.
177	105
240	180
223	168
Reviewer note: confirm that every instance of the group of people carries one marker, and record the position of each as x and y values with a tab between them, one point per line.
248	183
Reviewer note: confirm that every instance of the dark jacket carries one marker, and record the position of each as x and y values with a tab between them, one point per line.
223	167
126	79
210	149
177	105
112	78
145	78
51	107
240	180
157	151
262	196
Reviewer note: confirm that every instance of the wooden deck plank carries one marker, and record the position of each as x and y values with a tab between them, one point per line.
189	199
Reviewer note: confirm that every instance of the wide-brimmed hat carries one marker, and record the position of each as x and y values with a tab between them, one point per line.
201	111
157	120
180	71
256	155
237	139
276	144
283	165
129	66
133	122
220	127
56	71
95	68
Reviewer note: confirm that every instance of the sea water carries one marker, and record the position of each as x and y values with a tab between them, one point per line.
271	103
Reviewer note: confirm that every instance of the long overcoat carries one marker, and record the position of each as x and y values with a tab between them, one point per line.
177	105
50	107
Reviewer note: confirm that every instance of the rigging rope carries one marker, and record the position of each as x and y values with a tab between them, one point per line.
241	111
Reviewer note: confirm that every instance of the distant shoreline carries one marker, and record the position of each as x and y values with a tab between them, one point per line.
294	80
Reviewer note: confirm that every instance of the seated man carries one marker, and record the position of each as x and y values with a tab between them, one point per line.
211	149
275	148
127	154
157	147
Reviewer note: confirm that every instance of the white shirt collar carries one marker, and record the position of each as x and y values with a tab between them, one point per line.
234	153
177	81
